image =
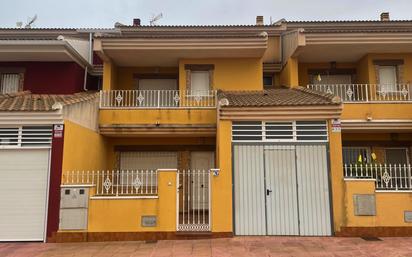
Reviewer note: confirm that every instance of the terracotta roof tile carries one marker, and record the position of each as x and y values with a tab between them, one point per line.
26	102
278	97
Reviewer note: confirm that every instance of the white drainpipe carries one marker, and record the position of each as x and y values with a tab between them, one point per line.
90	60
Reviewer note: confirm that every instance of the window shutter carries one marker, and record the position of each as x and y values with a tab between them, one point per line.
10	83
200	81
188	80
211	79
190	68
387	78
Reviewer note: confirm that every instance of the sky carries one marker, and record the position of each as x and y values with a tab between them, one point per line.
104	13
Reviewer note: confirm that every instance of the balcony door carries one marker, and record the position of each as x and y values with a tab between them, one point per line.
158	92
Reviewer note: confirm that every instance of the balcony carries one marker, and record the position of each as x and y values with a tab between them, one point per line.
372	106
158	112
157	99
367	93
387	177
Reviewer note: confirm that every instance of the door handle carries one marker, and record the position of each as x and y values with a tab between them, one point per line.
268	191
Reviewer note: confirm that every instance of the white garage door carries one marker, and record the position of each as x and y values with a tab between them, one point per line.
281	190
23	194
281	183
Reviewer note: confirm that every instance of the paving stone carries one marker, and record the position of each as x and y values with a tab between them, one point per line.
227	247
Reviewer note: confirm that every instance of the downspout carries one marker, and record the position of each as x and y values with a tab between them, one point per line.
85	79
90	61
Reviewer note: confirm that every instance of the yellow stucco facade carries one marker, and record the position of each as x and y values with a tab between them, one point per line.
390	206
124	215
85	149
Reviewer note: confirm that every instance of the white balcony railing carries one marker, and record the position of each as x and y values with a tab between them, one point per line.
115	183
154	99
388	177
367	92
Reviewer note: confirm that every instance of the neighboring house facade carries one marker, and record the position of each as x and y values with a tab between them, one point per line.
44	76
293	128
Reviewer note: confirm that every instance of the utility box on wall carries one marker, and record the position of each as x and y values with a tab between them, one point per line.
364	204
74	204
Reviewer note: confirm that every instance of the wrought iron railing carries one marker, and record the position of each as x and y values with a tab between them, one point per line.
367	92
115	183
388	177
154	99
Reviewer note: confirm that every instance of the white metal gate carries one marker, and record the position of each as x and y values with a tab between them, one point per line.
281	189
193	200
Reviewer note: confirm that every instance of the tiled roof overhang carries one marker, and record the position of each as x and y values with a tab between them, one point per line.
27	102
278	104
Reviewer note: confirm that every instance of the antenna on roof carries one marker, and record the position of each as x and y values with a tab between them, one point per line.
30	22
155	18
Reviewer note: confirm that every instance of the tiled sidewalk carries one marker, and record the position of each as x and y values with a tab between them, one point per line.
236	247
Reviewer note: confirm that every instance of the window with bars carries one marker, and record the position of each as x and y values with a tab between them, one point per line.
25	136
288	131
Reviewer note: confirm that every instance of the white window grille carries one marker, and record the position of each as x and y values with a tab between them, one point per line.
25	136
286	131
9	83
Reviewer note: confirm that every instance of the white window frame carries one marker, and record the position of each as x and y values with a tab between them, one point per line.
272	84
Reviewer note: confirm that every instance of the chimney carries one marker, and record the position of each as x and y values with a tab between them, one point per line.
136	22
385	16
259	20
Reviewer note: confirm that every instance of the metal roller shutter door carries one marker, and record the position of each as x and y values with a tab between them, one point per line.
148	160
23	194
